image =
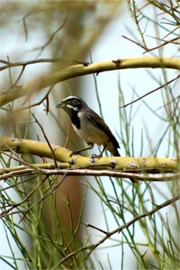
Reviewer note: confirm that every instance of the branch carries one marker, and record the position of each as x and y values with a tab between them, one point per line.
151	92
81	70
47	140
112	164
117	230
8	64
22	171
53	35
161	45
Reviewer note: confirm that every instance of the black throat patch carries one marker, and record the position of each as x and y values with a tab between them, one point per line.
76	120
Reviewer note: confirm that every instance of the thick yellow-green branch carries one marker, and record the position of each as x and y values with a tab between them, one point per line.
125	164
81	70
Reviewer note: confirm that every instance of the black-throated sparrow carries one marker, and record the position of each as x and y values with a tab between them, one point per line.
89	125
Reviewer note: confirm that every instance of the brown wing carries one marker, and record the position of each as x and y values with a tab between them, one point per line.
99	122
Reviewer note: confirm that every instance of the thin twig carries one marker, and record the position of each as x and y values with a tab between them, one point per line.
117	230
37	103
89	172
60	181
18	78
173	100
47	140
53	35
94	227
161	45
133	41
121	205
42	60
32	13
17	158
150	92
14	205
43	198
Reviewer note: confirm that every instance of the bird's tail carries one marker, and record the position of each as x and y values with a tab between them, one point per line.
114	151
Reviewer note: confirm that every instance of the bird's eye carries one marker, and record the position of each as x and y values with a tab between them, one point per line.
75	102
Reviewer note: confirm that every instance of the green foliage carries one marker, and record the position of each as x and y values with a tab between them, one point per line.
134	215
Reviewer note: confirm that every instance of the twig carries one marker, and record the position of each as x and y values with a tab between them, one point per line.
17	158
60	181
121	205
117	230
53	35
43	198
133	41
31	192
136	16
94	227
89	172
37	103
18	78
16	184
42	60
47	140
32	13
161	45
150	92
173	100
47	102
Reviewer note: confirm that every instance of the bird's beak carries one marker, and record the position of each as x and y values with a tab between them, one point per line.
60	105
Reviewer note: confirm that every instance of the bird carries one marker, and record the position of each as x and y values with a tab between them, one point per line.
89	126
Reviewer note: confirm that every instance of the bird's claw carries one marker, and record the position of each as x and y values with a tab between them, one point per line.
74	153
94	156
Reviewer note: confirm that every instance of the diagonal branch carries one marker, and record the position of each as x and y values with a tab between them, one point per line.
81	70
117	230
151	92
47	140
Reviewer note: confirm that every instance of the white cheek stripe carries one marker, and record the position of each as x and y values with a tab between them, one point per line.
71	107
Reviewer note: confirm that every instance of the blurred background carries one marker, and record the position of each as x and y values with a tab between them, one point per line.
90	31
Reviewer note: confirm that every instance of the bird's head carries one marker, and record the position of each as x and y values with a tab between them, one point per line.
72	104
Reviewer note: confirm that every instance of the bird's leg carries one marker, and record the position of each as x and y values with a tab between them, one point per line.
101	153
104	147
83	149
